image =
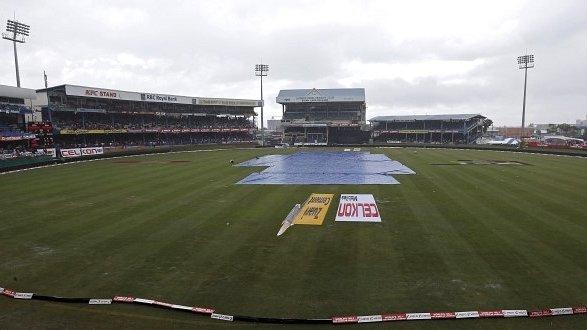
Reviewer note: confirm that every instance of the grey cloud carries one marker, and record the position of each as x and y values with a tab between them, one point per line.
209	49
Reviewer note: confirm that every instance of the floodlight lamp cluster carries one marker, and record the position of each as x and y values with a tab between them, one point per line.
19	28
16	31
526	61
260	69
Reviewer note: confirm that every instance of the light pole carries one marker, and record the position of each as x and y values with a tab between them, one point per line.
261	71
15	32
525	62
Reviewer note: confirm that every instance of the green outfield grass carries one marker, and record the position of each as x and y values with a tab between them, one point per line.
175	227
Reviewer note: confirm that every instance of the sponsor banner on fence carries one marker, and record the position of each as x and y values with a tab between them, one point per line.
418	316
223	317
540	313
314	210
369	318
498	313
467	315
561	311
514	312
344	319
70	153
17	138
78	152
123	299
23	295
92	151
48	151
202	310
443	315
395	317
358	207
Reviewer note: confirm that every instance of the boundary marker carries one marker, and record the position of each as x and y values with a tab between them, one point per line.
506	313
117	157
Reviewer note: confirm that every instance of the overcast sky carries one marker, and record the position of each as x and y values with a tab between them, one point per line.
413	57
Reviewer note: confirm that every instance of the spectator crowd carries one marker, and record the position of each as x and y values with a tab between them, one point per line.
117	121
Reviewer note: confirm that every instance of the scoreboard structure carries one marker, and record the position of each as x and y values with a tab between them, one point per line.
323	116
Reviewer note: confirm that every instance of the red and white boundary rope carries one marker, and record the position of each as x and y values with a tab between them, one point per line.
505	313
459	315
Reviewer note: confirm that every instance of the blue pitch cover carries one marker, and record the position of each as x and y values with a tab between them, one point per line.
325	168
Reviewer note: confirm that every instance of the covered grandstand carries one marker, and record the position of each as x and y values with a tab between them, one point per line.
447	128
323	116
89	116
15	109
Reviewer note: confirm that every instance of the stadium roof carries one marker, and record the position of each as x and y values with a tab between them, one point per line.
112	94
321	95
17	92
426	117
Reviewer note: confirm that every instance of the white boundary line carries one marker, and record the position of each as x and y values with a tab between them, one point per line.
252	148
117	157
510	151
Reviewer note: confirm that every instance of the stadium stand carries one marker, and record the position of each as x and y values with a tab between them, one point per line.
15	141
449	128
87	116
323	116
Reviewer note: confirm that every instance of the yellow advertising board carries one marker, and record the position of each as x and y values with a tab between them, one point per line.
314	210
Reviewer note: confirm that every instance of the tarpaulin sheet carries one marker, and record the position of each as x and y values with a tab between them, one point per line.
325	168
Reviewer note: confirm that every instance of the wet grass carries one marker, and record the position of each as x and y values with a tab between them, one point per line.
175	227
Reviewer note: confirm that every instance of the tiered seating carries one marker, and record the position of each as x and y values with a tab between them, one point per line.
14	108
113	121
10	130
80	129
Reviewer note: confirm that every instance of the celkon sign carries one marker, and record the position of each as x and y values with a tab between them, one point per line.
360	208
78	152
92	151
70	153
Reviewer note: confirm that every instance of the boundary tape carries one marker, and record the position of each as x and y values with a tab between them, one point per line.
249	148
515	151
212	313
82	160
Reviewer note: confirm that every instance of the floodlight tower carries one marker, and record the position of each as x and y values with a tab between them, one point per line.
15	32
261	71
525	62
